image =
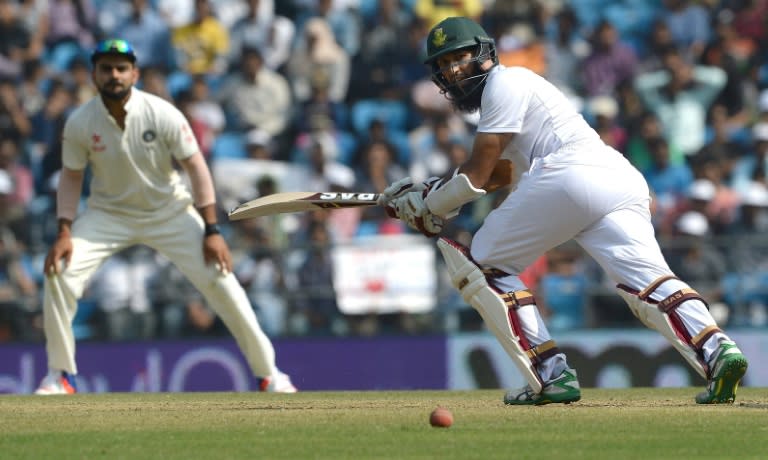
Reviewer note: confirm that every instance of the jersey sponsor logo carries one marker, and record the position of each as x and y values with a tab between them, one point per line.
96	144
348	196
148	135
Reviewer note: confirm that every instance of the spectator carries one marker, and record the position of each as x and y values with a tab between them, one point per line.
155	81
13	120
434	11
15	41
150	35
34	16
176	13
609	63
70	31
257	97
387	41
344	23
314	308
695	257
30	87
520	45
431	146
48	125
262	29
659	42
638	146
745	285
752	166
377	168
202	46
689	25
318	51
325	173
605	111
18	290
80	81
204	108
258	144
565	50
669	182
120	288
20	176
681	95
204	134
259	269
562	290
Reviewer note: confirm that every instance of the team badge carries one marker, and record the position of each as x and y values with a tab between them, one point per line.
148	135
439	37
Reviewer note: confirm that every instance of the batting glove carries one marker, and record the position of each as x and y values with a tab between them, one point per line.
411	209
403	186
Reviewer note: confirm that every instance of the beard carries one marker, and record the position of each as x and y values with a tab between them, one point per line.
115	95
467	102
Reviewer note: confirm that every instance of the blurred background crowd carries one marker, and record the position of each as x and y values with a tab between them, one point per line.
332	95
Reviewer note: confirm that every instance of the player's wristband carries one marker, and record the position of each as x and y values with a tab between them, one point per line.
212	229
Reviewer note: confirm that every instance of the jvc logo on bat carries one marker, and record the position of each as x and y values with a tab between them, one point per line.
348	196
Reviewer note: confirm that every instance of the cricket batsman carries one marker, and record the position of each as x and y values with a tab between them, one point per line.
575	187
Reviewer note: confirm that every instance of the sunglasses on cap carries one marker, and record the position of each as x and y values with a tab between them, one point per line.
114	46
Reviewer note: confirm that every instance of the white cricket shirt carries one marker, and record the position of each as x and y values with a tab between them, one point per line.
132	171
517	100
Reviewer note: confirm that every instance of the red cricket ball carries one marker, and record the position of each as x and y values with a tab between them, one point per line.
441	417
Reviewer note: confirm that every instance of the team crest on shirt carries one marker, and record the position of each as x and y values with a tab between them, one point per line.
96	144
148	135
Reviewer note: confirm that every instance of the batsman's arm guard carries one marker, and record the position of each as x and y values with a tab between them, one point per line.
499	311
662	316
445	197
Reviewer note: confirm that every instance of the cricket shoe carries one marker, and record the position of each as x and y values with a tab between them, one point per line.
729	367
57	383
278	383
563	389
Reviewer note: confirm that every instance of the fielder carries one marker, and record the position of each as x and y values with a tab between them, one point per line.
129	139
574	187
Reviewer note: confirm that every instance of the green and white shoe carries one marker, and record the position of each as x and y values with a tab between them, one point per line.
729	367
563	389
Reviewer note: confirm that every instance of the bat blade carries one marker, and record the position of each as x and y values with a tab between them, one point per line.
286	202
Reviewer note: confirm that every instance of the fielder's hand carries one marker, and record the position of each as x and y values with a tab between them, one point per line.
411	209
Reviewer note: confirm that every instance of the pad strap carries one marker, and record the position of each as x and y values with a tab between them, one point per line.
538	353
669	304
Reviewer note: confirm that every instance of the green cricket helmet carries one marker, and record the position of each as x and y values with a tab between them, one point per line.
460	33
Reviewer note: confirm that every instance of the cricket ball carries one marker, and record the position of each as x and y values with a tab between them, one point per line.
441	418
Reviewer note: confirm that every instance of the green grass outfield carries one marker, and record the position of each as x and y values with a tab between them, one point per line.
641	423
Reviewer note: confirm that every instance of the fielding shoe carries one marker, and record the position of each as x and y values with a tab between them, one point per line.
564	389
57	383
278	383
729	367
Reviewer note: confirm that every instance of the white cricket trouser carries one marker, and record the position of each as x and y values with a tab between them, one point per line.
96	235
595	197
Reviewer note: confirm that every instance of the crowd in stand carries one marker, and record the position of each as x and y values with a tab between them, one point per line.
332	95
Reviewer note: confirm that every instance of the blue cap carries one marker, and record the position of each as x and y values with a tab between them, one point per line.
113	46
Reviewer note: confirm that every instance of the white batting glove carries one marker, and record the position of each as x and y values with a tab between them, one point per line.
403	186
398	189
411	209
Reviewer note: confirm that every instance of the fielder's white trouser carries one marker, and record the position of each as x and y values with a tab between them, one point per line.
96	235
598	199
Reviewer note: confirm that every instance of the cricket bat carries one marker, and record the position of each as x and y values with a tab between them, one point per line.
285	202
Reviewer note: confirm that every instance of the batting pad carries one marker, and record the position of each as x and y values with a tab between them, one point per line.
467	277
